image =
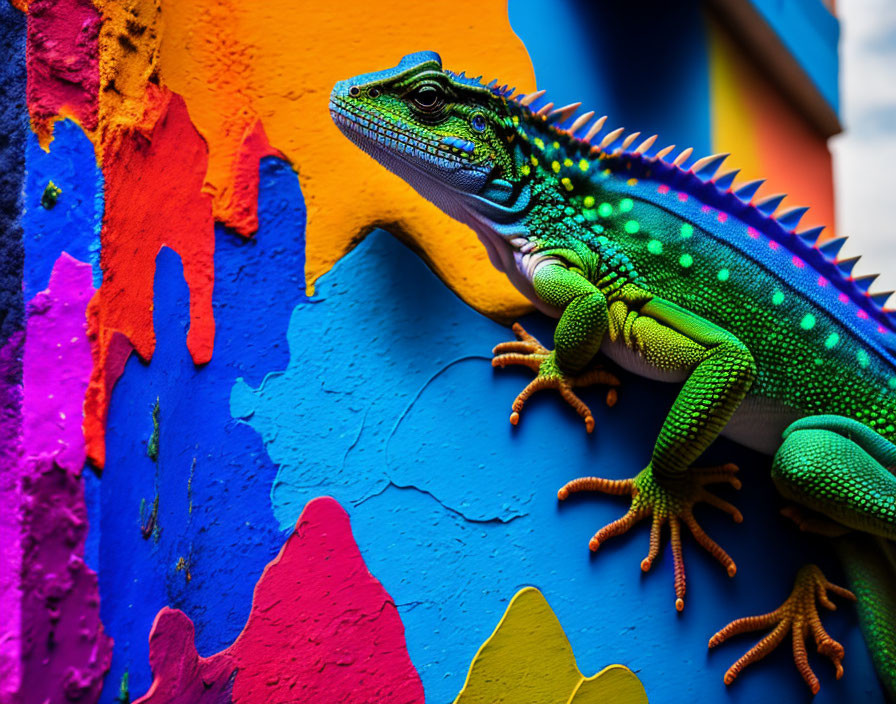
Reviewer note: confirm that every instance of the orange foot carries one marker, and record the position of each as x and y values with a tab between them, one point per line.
529	352
668	502
797	615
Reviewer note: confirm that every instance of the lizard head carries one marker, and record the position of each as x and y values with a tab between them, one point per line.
448	136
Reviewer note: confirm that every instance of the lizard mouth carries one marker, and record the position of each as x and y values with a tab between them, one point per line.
394	141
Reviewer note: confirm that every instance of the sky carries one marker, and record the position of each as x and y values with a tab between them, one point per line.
865	154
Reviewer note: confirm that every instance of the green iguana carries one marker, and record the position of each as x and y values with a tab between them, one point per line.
674	275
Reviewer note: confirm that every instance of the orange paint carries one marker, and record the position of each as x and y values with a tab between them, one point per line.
766	136
237	64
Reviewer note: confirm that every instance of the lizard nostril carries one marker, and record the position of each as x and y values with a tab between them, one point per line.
354	91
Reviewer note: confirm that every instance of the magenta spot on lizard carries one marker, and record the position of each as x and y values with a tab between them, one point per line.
862	314
772	245
822	281
843	298
722	217
664	189
798	263
881	329
706	209
682	197
753	232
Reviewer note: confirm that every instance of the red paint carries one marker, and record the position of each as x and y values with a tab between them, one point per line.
63	63
322	629
154	173
241	210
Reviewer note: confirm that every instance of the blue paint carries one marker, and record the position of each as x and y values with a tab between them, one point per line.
230	535
73	224
647	68
13	128
389	404
810	33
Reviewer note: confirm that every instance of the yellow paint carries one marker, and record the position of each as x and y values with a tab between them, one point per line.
732	130
238	63
529	659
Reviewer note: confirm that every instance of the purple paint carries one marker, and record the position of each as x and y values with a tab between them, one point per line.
10	516
57	365
63	650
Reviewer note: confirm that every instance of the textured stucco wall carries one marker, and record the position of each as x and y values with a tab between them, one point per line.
259	450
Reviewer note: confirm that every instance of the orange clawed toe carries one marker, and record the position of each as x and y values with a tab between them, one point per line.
798	616
668	503
529	352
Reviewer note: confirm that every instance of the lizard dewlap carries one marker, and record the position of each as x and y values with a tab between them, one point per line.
665	267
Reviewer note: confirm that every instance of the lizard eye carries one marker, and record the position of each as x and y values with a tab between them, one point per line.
427	98
478	123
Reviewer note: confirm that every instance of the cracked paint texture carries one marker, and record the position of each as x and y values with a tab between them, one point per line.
321	629
455	510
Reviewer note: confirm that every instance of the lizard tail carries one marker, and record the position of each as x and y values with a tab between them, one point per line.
870	566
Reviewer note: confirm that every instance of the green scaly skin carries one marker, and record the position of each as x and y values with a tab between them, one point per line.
674	277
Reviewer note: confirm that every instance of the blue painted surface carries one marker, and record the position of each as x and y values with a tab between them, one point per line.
13	128
204	457
811	33
73	224
645	68
390	405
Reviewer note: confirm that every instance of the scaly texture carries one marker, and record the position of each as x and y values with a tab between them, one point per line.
669	271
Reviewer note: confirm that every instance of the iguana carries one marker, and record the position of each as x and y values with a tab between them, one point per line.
675	275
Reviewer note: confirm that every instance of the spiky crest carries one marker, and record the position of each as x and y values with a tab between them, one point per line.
698	180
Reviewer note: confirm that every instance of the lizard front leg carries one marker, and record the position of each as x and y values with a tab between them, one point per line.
720	371
577	338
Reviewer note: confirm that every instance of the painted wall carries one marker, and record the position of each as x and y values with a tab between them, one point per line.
260	452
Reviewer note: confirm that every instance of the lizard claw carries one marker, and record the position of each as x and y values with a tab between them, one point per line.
527	351
798	615
672	505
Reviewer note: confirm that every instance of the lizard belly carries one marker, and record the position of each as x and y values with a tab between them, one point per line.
757	423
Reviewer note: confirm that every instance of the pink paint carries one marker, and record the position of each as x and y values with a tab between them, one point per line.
843	298
682	197
722	217
862	314
64	651
322	629
63	62
881	329
706	209
752	232
797	262
822	281
774	246
663	189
